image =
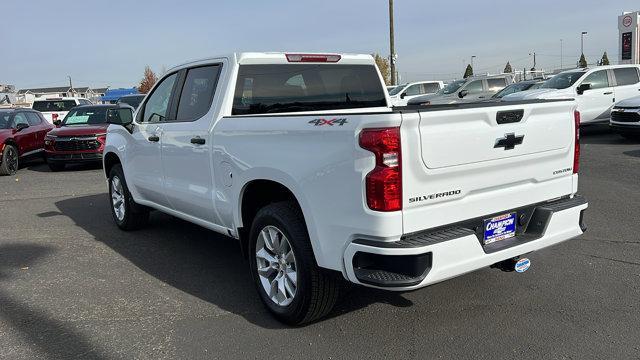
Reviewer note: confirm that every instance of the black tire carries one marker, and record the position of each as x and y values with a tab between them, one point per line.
56	166
317	290
10	160
135	216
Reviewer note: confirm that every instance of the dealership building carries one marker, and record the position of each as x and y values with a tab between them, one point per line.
628	44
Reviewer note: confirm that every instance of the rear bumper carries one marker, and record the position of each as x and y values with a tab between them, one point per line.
432	256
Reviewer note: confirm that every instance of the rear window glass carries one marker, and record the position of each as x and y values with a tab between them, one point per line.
53	105
33	119
264	89
133	101
626	76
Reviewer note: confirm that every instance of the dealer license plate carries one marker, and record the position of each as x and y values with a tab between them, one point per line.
499	228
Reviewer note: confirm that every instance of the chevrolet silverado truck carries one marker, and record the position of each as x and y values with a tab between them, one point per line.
303	160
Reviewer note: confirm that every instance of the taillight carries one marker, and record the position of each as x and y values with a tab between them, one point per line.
330	58
384	182
54	117
576	150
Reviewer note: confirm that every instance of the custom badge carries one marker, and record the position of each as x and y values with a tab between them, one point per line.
522	265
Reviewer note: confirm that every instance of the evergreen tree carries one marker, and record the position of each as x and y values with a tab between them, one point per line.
468	71
507	69
605	59
582	63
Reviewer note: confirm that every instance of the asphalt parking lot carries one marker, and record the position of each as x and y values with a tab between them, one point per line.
73	286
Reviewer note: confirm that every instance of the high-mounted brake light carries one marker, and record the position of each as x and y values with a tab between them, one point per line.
384	182
576	149
329	58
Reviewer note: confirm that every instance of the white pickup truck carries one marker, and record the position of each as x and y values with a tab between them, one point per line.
301	158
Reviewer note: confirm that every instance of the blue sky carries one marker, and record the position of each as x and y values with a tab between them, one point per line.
102	43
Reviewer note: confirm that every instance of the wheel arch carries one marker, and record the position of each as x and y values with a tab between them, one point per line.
258	193
110	160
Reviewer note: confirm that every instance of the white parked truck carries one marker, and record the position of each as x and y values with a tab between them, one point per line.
301	158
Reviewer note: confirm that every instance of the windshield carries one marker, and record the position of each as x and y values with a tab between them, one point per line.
452	87
86	116
133	101
53	105
513	88
5	120
563	80
397	89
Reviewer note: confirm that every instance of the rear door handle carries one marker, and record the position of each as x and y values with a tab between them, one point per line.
608	93
153	138
198	140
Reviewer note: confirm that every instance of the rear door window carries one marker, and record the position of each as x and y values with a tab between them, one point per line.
197	92
262	89
496	84
430	88
626	76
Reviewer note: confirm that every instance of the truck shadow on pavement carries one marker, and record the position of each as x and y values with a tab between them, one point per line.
197	261
51	337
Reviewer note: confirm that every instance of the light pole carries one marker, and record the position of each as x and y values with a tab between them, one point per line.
561	62
534	60
472	57
582	42
392	49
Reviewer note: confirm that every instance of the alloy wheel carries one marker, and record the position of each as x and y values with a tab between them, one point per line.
276	262
117	198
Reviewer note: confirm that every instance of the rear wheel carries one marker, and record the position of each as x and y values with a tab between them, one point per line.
285	273
10	162
127	214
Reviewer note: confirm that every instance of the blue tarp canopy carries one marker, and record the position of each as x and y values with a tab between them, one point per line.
115	94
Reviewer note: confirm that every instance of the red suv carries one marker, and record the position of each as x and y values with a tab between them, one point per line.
79	138
22	133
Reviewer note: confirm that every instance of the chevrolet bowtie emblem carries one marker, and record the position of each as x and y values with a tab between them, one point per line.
509	141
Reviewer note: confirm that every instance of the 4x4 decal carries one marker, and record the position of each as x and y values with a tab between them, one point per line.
329	122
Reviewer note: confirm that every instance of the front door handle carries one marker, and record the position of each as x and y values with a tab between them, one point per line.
608	93
198	140
153	138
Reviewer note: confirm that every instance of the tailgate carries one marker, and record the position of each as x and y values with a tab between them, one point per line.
461	163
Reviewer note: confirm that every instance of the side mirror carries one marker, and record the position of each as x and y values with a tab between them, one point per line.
402	96
57	122
463	93
21	127
582	88
120	116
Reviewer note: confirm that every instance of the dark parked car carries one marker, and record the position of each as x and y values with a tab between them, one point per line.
22	133
131	100
79	138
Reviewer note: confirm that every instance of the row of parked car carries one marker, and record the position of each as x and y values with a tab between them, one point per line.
596	90
60	130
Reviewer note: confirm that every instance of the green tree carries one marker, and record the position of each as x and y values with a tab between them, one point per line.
468	71
384	67
605	59
582	63
507	69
